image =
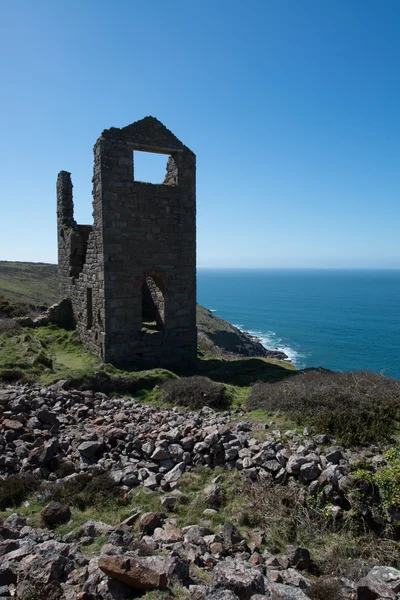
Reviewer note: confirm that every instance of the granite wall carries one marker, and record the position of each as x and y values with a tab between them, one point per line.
131	276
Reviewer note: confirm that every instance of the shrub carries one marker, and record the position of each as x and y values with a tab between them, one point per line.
384	484
85	490
12	309
15	488
63	468
195	392
357	408
11	375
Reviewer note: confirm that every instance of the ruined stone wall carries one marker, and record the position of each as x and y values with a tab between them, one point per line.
149	231
80	267
140	231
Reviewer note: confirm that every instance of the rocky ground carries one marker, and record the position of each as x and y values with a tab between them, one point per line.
141	446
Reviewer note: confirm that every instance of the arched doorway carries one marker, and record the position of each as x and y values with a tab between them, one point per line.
153	304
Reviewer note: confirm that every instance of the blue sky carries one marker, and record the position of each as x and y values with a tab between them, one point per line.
291	106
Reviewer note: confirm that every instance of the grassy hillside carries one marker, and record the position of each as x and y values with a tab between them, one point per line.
35	283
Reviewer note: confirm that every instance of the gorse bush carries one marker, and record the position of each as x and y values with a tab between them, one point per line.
195	392
357	408
85	491
15	488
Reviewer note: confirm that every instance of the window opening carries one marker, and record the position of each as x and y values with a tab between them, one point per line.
89	308
151	167
153	317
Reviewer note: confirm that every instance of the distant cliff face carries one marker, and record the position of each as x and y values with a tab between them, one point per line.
229	338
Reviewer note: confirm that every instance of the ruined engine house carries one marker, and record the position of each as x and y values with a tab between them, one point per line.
131	276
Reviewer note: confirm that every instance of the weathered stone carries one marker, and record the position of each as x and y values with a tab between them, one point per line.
214	496
13	425
43	455
334	455
160	454
89	449
147	573
294	463
309	471
388	575
47	417
168	534
168	502
176	473
149	522
15	521
298	557
278	591
242	581
230	535
216	594
55	513
372	587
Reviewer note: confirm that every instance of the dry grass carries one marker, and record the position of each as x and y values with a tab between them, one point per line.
345	547
325	589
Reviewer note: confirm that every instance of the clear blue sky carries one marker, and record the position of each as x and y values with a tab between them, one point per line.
291	106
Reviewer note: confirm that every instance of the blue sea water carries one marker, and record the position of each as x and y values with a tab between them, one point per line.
344	320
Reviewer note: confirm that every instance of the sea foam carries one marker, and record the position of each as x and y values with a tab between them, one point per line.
271	341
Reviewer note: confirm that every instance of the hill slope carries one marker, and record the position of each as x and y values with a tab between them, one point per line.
35	283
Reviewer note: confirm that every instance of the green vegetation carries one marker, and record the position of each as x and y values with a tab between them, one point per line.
97	497
357	408
383	484
343	546
34	283
46	354
49	354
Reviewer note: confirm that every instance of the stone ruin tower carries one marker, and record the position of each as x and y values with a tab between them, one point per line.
131	276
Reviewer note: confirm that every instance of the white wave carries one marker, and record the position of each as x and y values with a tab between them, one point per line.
271	341
212	309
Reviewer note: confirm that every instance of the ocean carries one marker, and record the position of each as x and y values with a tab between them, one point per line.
344	320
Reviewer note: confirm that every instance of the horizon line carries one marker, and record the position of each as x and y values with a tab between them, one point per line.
251	268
